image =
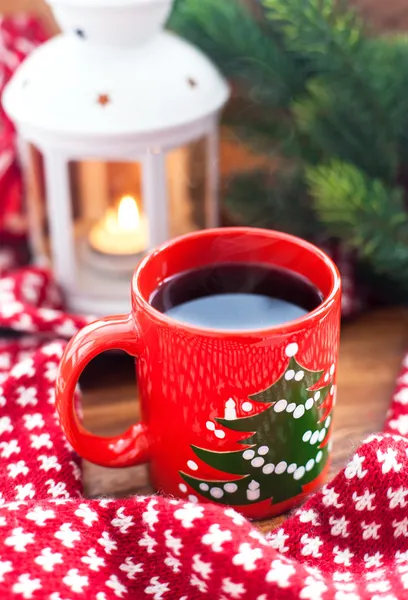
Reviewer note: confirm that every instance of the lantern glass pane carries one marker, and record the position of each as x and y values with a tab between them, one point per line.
188	187
107	207
36	205
111	233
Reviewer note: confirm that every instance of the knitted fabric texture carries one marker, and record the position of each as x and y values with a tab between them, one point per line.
349	541
18	37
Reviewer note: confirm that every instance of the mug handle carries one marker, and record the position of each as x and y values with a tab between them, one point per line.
112	333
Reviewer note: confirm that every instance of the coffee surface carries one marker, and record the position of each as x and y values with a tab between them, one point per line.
235	296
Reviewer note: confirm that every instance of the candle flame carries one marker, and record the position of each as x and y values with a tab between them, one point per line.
125	217
122	230
128	213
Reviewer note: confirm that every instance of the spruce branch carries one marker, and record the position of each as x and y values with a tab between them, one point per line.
228	33
325	90
271	135
337	125
276	201
390	78
331	37
315	27
364	212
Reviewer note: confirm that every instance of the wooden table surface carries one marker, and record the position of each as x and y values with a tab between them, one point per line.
371	350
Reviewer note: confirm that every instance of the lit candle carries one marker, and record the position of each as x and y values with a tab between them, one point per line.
122	231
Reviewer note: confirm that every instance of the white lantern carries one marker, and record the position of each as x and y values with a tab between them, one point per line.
113	116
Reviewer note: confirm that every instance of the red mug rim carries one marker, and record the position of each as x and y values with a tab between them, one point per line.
288	327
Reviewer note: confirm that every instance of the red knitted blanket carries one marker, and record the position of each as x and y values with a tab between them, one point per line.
349	541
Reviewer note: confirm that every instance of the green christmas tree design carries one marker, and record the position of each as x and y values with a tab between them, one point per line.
286	448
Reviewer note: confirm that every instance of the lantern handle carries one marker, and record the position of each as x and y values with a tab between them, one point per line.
111	333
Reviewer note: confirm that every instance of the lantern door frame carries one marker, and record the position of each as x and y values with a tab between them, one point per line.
150	151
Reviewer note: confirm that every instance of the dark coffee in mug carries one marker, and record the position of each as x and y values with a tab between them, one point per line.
236	296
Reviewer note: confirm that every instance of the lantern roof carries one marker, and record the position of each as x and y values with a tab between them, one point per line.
105	77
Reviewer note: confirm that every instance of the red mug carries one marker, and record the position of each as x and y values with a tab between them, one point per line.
240	418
